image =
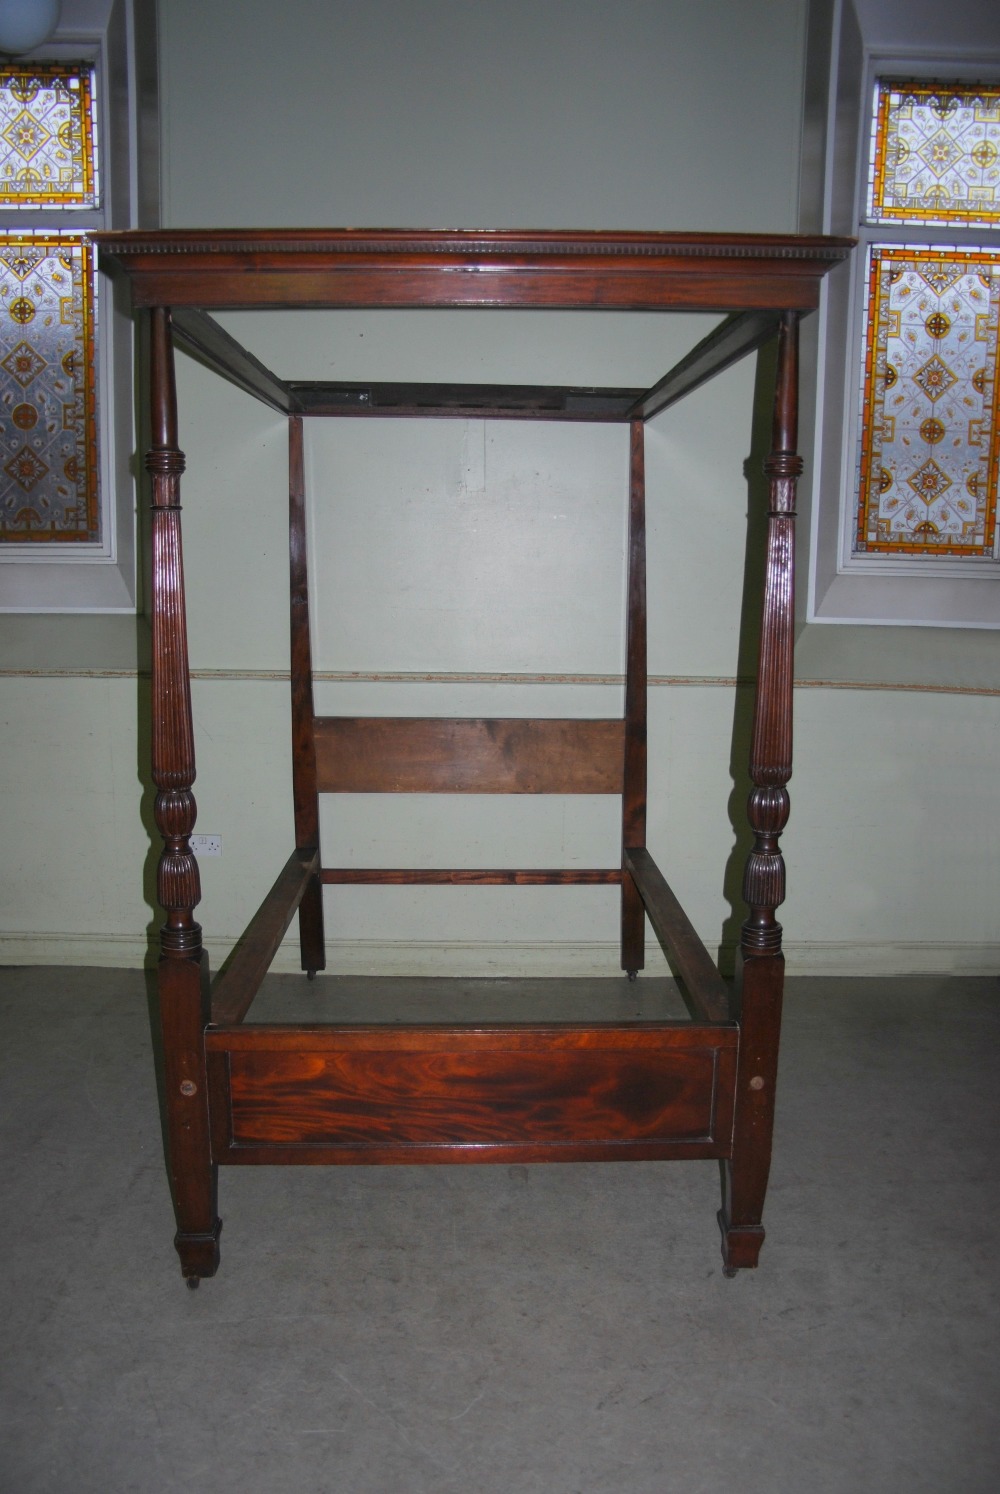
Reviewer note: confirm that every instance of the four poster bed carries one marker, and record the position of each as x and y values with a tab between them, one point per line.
240	1092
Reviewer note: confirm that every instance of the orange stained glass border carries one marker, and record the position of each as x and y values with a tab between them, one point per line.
85	193
877	210
873	394
87	489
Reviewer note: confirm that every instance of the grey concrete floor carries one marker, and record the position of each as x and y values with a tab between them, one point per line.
506	1330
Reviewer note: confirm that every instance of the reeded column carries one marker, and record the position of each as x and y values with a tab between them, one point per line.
760	976
183	967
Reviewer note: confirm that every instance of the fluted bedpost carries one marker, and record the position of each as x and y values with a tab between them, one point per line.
761	962
183	967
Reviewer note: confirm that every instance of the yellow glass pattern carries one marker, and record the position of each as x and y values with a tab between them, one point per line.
935	154
48	416
930	424
48	155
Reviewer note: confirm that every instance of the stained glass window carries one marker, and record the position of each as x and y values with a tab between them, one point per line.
48	379
930	423
935	154
48	425
48	155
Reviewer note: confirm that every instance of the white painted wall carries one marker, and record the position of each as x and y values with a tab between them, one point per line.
455	548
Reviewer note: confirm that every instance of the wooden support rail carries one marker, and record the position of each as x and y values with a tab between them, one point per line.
239	983
420	877
464	401
453	755
727	344
202	335
675	932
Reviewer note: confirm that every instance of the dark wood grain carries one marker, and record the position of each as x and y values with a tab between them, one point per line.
239	983
457	1094
458	1099
422	755
703	983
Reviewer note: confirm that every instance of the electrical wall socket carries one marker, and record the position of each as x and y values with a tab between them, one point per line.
206	845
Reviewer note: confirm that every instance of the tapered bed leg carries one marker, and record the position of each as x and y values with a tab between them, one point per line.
760	976
744	1181
183	967
633	913
183	987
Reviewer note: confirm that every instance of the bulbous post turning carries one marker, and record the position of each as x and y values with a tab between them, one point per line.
183	968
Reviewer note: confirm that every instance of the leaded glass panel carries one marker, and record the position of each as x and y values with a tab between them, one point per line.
930	434
48	424
48	154
935	154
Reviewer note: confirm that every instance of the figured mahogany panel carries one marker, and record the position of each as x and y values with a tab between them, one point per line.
431	755
385	1094
738	335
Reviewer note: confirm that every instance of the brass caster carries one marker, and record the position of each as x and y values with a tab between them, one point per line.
310	975
633	975
730	1271
193	1283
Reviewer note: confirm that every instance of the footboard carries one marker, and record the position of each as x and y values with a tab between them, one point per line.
560	1093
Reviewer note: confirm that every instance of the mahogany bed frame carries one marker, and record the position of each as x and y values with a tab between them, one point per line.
239	1092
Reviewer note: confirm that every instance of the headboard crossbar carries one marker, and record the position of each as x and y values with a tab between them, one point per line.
455	755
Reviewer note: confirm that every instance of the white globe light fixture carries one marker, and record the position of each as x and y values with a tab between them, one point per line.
25	24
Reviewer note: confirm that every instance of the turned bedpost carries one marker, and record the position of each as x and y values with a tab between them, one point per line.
760	975
183	966
633	913
177	883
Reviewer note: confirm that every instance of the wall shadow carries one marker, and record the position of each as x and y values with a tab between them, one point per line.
754	562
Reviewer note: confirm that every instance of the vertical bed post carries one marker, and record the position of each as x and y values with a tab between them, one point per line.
633	936
183	964
760	968
304	792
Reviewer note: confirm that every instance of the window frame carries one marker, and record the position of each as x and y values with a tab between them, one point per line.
98	577
842	587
